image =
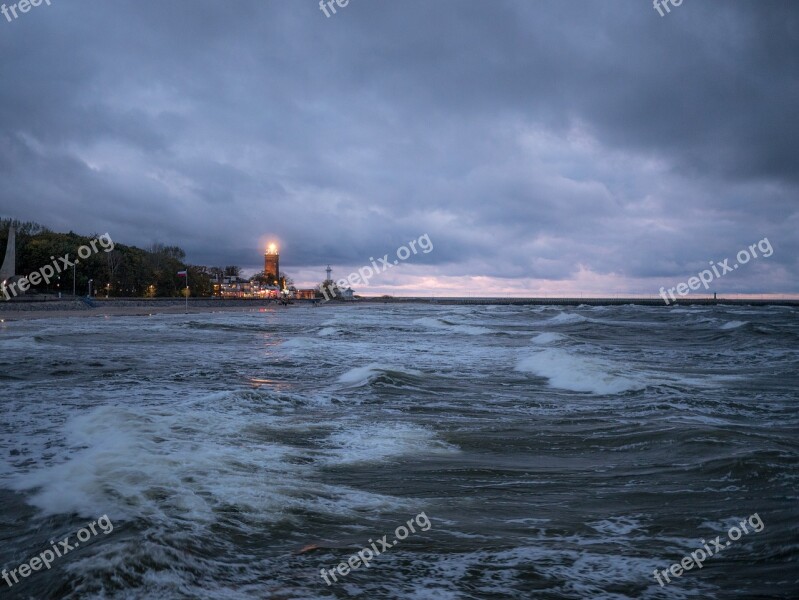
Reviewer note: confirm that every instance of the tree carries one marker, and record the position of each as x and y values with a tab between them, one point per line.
114	262
200	282
260	278
124	271
328	290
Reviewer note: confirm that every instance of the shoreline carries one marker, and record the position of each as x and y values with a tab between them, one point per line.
63	309
639	301
24	310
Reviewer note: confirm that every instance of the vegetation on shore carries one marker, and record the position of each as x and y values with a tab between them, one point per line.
124	271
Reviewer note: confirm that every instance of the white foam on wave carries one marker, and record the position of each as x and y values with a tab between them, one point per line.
585	571
327	331
471	329
547	337
569	371
617	526
359	376
24	343
142	464
566	318
442	325
382	442
300	343
733	324
187	463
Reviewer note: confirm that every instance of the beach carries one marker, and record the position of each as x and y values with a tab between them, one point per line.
56	309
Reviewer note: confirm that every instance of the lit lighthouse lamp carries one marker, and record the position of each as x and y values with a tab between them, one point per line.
272	264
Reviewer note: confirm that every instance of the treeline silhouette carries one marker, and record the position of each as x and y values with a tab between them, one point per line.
125	271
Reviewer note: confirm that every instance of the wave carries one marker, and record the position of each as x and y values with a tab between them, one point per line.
733	324
444	325
27	343
300	343
548	337
566	318
382	442
379	373
228	326
568	371
192	463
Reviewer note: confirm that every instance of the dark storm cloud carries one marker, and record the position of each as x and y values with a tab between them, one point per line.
531	140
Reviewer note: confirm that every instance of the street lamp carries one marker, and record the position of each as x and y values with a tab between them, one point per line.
90	287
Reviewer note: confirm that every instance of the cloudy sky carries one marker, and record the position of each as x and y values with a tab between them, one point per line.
544	146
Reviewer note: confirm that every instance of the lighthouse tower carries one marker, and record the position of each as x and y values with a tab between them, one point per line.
272	264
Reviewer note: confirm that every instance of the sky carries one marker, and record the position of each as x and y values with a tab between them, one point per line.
544	147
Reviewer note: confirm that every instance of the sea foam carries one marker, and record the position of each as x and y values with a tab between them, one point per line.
568	371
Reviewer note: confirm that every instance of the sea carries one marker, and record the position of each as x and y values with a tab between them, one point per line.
536	452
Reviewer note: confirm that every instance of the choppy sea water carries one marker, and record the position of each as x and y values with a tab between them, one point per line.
558	453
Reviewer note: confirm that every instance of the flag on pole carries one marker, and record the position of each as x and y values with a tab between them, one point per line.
186	275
